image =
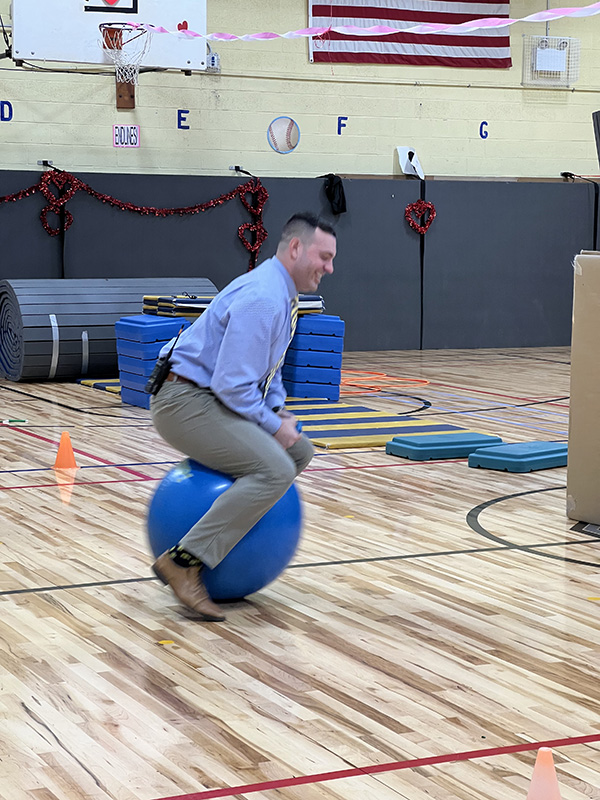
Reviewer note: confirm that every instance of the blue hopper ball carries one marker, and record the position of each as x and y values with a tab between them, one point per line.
187	492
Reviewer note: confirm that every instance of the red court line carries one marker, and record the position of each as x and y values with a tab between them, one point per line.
497	394
385	466
79	452
143	479
375	768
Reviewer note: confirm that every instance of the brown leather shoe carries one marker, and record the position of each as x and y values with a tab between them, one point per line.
188	587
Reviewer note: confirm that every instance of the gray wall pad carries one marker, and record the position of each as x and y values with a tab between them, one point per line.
377	274
27	250
106	242
375	287
498	262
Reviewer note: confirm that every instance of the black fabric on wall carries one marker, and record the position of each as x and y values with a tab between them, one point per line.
334	192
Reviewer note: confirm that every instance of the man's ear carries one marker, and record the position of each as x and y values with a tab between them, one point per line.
294	246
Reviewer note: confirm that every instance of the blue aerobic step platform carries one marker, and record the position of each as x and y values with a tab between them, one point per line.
147	328
322	324
140	350
140	339
311	341
521	457
440	445
133	381
139	366
311	375
313	358
134	398
321	390
313	362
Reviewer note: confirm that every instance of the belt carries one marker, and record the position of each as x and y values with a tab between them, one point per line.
173	377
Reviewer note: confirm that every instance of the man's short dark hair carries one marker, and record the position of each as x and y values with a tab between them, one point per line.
303	225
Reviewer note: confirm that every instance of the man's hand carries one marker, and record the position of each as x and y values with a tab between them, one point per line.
287	435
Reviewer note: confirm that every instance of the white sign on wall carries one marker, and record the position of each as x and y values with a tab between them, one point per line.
126	135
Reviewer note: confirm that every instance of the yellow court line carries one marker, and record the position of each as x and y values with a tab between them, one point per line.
443	433
374	440
349	415
396	425
320	406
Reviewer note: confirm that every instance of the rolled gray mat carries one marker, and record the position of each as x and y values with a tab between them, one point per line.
65	328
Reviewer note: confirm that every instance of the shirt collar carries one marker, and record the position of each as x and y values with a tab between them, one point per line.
286	275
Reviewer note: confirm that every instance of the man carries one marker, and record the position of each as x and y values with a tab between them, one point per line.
222	404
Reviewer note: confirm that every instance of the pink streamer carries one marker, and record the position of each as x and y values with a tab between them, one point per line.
384	30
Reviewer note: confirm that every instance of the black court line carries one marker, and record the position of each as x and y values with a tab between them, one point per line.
68	586
72	425
505	407
434	413
64	405
475	525
534	358
469	551
406	557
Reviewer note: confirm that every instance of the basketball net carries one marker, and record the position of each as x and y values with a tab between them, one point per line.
126	46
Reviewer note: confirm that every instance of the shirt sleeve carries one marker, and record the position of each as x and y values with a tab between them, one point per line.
245	359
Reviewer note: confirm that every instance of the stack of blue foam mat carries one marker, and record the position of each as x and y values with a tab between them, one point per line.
521	457
139	341
313	363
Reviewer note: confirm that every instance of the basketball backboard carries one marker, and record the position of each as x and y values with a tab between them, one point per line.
67	30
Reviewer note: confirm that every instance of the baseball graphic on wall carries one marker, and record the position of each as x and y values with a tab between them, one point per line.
283	134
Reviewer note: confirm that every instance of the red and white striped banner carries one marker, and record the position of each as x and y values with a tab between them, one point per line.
485	48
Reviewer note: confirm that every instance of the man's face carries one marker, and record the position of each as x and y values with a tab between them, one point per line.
313	259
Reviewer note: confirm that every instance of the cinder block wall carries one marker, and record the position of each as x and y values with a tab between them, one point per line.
531	132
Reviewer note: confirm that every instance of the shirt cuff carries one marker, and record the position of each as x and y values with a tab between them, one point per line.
271	423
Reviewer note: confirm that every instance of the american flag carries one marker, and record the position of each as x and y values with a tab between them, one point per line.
487	48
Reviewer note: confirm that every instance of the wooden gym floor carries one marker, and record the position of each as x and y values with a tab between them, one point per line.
432	610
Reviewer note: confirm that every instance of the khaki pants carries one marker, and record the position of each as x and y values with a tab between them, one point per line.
193	421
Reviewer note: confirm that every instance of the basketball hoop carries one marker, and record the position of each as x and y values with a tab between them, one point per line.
126	46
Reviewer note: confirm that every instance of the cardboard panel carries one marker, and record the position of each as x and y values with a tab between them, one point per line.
583	471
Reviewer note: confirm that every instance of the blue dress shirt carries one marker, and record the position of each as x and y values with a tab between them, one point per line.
235	344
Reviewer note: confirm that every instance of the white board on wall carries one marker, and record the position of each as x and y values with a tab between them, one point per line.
67	30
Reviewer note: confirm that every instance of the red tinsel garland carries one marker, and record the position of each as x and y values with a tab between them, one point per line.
67	185
419	209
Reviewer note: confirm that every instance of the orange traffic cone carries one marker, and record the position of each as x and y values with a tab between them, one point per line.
65	480
544	783
65	458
